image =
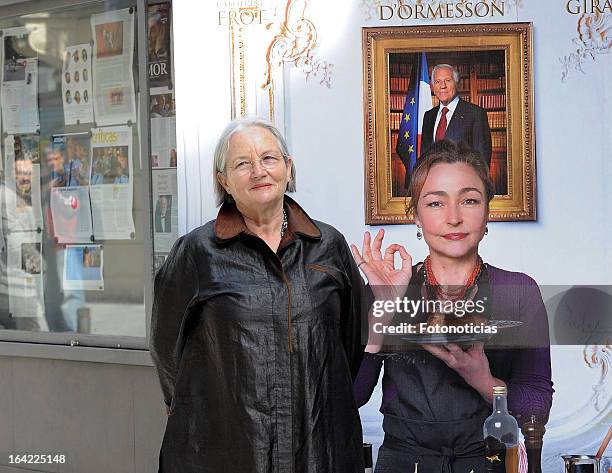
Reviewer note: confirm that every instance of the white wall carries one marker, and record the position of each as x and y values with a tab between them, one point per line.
569	243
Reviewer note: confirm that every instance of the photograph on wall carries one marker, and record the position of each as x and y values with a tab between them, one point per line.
77	85
472	85
481	81
25	274
83	268
165	209
159	47
68	158
22	188
111	186
113	80
163	129
19	82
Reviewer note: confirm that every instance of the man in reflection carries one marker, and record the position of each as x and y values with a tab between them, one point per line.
25	311
60	305
454	118
74	169
23	185
55	162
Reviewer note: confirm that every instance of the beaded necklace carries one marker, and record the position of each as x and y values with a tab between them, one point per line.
453	295
285	224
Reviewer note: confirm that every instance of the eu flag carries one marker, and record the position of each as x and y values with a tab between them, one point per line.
418	101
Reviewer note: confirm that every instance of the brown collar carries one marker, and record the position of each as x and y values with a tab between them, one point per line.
230	222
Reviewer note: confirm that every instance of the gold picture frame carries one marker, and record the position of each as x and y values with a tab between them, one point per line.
505	49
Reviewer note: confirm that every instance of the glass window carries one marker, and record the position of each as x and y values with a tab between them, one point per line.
76	220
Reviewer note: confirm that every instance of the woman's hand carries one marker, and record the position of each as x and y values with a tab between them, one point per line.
386	281
471	364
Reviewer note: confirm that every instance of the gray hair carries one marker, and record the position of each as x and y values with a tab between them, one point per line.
236	126
456	75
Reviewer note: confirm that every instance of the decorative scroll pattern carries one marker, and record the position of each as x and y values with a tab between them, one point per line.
295	42
594	39
370	7
599	356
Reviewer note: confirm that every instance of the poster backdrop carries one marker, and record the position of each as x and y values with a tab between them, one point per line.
300	63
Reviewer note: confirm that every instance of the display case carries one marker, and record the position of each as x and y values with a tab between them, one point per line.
88	169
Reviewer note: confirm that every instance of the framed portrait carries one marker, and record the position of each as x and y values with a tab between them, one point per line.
491	67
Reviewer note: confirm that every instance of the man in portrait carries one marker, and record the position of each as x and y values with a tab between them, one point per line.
454	118
163	216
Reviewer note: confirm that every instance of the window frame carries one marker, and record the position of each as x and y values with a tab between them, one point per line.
88	347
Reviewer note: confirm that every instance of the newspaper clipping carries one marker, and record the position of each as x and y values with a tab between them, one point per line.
19	83
24	274
68	160
83	268
23	204
163	129
76	85
160	66
165	209
114	99
111	184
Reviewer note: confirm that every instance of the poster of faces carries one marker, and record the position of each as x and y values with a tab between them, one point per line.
77	85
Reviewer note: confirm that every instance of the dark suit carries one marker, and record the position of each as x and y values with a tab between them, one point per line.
468	124
164	226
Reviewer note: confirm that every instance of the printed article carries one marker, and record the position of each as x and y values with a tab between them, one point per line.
84	268
111	184
163	129
22	189
24	274
113	80
19	83
160	50
165	209
76	85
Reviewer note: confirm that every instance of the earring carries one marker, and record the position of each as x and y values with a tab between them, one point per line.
419	234
486	231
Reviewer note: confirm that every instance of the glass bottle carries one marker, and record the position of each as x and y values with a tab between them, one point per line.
501	436
367	457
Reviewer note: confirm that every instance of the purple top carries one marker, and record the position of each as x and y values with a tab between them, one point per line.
526	371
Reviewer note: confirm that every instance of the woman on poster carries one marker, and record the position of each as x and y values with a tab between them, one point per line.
436	397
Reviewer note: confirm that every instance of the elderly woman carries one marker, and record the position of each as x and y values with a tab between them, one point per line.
256	326
435	400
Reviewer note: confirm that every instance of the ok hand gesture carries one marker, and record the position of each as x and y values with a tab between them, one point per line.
385	280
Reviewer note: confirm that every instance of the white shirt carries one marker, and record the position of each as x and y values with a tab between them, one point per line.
451	109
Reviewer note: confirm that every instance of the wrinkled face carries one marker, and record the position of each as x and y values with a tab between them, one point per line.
444	85
256	174
55	160
452	210
23	175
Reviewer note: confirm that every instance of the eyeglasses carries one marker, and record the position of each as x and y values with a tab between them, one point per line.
268	162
